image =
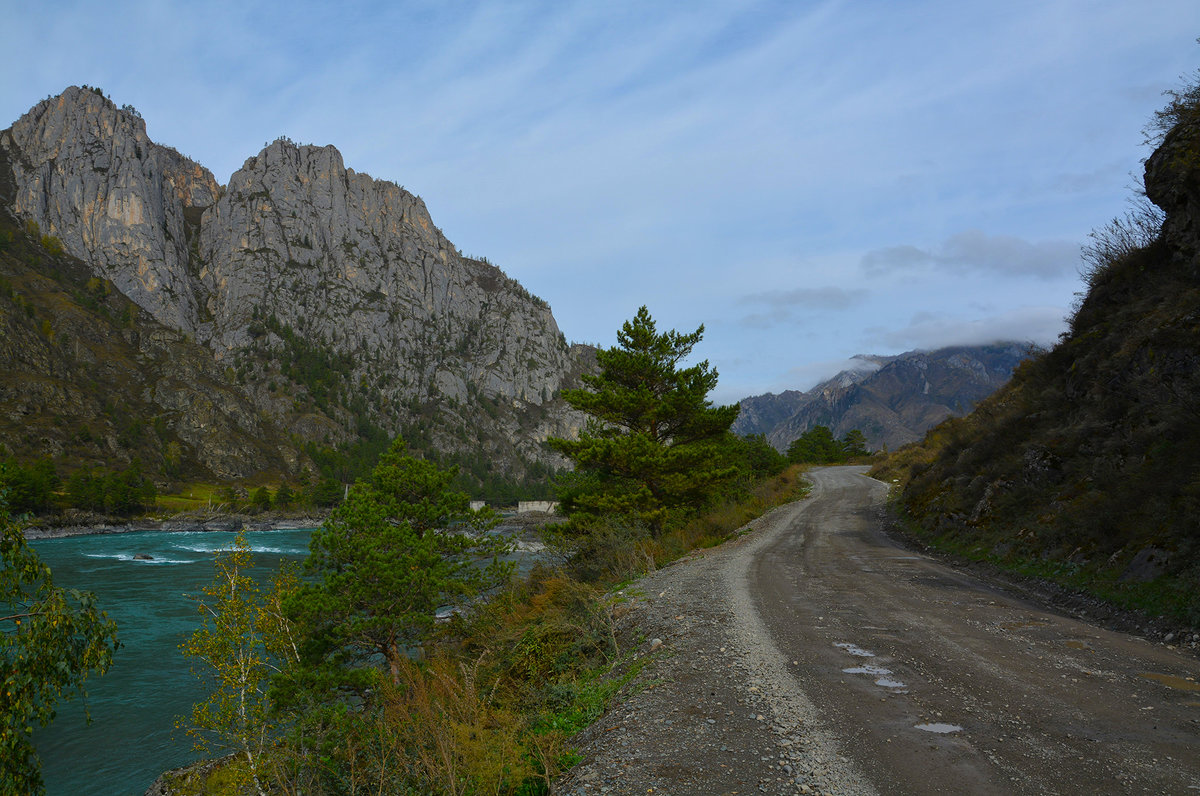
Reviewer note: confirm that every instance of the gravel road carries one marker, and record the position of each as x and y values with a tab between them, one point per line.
814	655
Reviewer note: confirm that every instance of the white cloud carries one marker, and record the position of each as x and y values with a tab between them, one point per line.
791	306
938	329
976	251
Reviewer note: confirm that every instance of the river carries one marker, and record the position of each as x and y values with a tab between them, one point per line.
132	738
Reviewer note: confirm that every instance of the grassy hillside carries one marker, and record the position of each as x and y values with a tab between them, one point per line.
1083	468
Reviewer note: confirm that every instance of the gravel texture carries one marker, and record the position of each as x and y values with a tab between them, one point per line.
717	710
814	654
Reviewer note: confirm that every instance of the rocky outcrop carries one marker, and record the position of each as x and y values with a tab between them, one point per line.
892	400
329	298
86	172
1172	181
358	263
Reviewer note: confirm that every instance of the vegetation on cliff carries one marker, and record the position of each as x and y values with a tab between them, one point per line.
111	408
97	385
1083	467
500	684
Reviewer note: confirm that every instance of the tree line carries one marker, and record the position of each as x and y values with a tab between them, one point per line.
37	488
819	446
407	657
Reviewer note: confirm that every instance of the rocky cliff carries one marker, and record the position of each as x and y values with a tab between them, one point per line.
86	172
92	382
330	299
892	400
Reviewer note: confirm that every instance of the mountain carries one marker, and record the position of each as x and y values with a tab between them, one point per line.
1085	463
893	400
91	381
324	303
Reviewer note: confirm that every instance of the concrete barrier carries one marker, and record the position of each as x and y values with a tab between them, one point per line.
543	506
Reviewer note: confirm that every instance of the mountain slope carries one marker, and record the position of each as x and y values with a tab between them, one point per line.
91	381
1086	460
328	299
892	400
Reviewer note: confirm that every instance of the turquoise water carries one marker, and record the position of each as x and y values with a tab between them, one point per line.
132	737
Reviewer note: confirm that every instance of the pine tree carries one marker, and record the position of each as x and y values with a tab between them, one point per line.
655	447
854	443
401	546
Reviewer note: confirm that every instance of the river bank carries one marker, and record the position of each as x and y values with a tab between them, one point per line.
188	522
197	522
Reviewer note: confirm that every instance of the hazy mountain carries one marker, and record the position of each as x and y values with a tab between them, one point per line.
892	400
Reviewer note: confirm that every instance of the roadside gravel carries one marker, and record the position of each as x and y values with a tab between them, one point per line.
718	709
815	654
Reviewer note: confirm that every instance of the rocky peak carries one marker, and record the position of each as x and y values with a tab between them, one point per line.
87	173
1172	180
300	269
357	262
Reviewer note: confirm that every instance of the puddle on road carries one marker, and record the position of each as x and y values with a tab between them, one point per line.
1182	683
881	677
1076	644
853	649
940	728
894	685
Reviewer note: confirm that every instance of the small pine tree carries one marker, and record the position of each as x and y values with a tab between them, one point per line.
261	499
284	496
655	446
402	545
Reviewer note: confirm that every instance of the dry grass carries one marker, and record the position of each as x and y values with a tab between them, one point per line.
720	522
447	729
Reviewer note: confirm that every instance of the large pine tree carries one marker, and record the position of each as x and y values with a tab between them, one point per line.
654	447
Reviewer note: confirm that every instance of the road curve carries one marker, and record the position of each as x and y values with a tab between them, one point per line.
936	682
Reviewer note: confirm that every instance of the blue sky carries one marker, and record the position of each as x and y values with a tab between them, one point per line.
809	180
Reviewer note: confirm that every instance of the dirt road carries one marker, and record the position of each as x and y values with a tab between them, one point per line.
1045	703
815	655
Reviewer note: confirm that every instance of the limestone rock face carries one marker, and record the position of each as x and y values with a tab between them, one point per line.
299	260
86	172
358	263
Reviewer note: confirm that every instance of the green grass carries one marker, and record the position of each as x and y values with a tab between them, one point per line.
192	497
1174	597
592	695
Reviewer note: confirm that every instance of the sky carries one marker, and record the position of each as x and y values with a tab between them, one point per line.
808	180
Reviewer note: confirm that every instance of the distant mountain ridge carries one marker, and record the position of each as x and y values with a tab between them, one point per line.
329	300
893	400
